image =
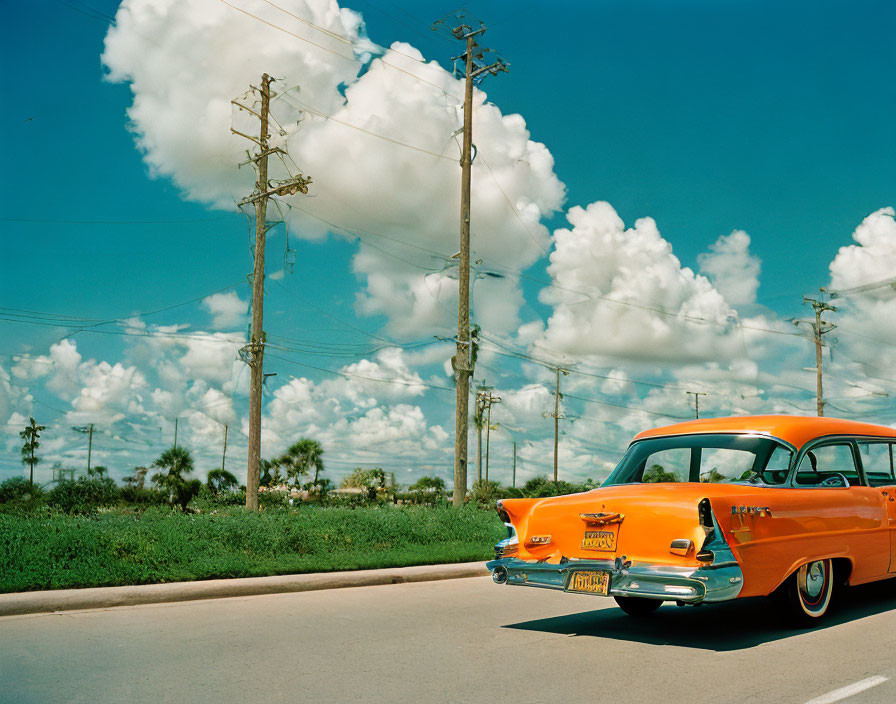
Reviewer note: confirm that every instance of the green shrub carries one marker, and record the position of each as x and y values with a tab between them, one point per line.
351	500
540	487
55	551
18	495
269	499
142	498
18	489
83	495
486	494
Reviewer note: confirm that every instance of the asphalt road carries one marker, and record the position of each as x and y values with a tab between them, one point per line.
463	640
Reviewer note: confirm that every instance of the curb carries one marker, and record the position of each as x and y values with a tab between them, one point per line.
106	597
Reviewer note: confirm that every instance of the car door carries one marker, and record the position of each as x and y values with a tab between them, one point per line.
878	467
858	514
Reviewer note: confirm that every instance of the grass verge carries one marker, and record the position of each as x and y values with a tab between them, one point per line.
55	551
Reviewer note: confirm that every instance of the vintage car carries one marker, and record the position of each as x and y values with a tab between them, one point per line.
717	509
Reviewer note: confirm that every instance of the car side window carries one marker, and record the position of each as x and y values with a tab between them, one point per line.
670	465
877	461
777	467
824	462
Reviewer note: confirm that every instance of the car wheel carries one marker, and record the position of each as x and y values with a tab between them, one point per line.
636	606
808	592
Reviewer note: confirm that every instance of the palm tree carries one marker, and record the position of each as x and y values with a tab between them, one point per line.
220	480
178	462
301	458
98	471
30	435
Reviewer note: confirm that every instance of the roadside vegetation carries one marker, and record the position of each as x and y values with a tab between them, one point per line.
162	524
57	551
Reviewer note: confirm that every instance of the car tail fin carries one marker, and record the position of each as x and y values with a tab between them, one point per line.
514	510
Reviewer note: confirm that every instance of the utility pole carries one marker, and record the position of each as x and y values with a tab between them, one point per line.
489	400
224	454
819	328
88	430
513	480
475	66
477	421
89	446
253	353
696	395
175	432
556	415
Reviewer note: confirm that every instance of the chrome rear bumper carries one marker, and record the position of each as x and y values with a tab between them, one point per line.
691	585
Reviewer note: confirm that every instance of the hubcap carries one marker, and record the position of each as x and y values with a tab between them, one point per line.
814	580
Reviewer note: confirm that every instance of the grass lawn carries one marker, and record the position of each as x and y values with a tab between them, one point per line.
55	551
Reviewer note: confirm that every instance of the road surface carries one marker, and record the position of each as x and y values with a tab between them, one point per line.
463	640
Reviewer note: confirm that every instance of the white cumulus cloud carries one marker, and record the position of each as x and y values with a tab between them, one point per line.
732	268
228	310
347	132
622	293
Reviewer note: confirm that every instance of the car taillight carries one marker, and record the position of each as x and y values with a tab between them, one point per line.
506	550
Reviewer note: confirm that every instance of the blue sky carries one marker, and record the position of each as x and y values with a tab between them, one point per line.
771	118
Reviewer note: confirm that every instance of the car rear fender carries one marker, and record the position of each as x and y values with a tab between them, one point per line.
772	535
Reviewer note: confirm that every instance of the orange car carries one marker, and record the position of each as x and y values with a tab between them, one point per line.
716	509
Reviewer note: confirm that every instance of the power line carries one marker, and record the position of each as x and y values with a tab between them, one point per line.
368	44
63	320
210	337
286	31
332	51
845	292
372	134
630	408
59	221
400	382
548	365
333	317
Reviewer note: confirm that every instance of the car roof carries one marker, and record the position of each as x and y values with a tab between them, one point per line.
796	430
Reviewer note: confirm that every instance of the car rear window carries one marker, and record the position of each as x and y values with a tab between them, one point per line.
711	458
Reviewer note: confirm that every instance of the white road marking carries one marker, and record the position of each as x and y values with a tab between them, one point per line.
848	690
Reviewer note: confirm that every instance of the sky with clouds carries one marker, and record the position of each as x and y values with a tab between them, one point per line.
656	186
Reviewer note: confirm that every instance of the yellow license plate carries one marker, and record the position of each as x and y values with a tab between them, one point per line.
599	540
590	582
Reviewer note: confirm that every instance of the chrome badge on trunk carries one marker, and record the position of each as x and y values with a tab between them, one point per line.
599	540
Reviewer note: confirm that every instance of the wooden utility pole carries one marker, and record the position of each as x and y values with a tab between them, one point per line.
489	400
89	445
256	343
819	328
556	416
175	431
513	480
88	430
462	361
224	454
477	420
696	395
253	353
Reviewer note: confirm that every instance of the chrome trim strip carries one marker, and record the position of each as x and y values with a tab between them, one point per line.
721	583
